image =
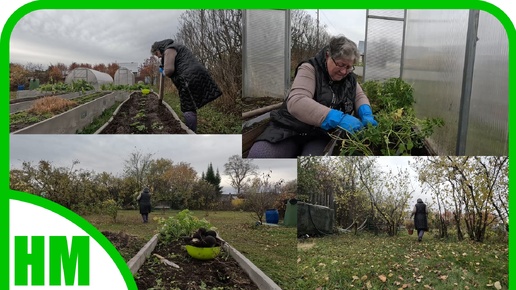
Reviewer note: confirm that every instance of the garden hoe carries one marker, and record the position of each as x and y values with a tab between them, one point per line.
165	261
161	87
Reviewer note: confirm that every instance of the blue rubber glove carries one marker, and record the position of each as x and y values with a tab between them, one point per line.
366	115
336	118
161	71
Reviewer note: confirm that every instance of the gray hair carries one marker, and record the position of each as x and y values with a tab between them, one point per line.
343	48
160	45
154	47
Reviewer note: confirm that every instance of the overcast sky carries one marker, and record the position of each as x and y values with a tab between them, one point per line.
109	152
90	36
123	36
348	22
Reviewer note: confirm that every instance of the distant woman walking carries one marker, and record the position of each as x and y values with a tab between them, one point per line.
144	201
420	213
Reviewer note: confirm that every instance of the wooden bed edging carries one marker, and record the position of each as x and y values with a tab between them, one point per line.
257	276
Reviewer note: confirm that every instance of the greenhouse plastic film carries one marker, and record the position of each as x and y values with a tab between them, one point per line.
488	118
265	58
434	53
387	13
383	49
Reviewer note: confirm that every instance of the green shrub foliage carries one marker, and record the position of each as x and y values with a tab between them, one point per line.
110	207
183	224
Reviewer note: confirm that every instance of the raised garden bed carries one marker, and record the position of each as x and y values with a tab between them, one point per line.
127	245
144	114
230	270
66	120
223	271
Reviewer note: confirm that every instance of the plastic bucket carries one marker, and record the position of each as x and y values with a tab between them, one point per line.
272	216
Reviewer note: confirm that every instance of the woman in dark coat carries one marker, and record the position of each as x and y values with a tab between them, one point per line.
145	204
195	85
420	213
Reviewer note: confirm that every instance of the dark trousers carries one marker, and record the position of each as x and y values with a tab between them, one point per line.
420	234
145	217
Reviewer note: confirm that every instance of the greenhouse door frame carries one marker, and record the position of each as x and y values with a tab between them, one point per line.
404	20
245	43
467	81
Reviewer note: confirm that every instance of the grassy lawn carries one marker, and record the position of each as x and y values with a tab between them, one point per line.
209	120
272	249
368	262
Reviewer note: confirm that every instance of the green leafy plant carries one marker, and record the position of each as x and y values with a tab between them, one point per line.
399	131
157	126
389	95
139	126
183	224
139	115
81	86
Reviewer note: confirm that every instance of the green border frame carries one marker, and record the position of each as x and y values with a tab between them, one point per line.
227	4
84	225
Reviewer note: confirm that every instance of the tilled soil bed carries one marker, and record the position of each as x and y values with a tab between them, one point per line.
127	245
223	272
143	114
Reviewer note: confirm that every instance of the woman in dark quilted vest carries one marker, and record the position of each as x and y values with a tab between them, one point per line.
324	95
144	202
420	213
195	85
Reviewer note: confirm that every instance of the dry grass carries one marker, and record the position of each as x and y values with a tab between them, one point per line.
54	105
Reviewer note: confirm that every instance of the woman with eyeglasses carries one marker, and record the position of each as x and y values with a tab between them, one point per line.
324	95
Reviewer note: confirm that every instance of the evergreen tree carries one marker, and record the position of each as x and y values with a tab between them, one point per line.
213	178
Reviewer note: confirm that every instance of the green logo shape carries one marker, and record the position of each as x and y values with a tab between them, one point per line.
59	258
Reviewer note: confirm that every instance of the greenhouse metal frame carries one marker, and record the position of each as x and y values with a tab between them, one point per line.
266	53
94	77
457	63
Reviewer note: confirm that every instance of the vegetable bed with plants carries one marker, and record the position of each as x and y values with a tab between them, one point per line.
159	272
47	107
399	131
143	114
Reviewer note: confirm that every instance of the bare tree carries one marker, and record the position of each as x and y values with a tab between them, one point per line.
305	40
261	194
389	192
238	170
475	182
215	37
137	167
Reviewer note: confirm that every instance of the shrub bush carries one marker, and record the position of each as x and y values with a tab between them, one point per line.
110	207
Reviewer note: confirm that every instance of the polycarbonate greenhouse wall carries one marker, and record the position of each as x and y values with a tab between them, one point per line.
433	59
94	77
488	118
124	76
384	43
266	53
